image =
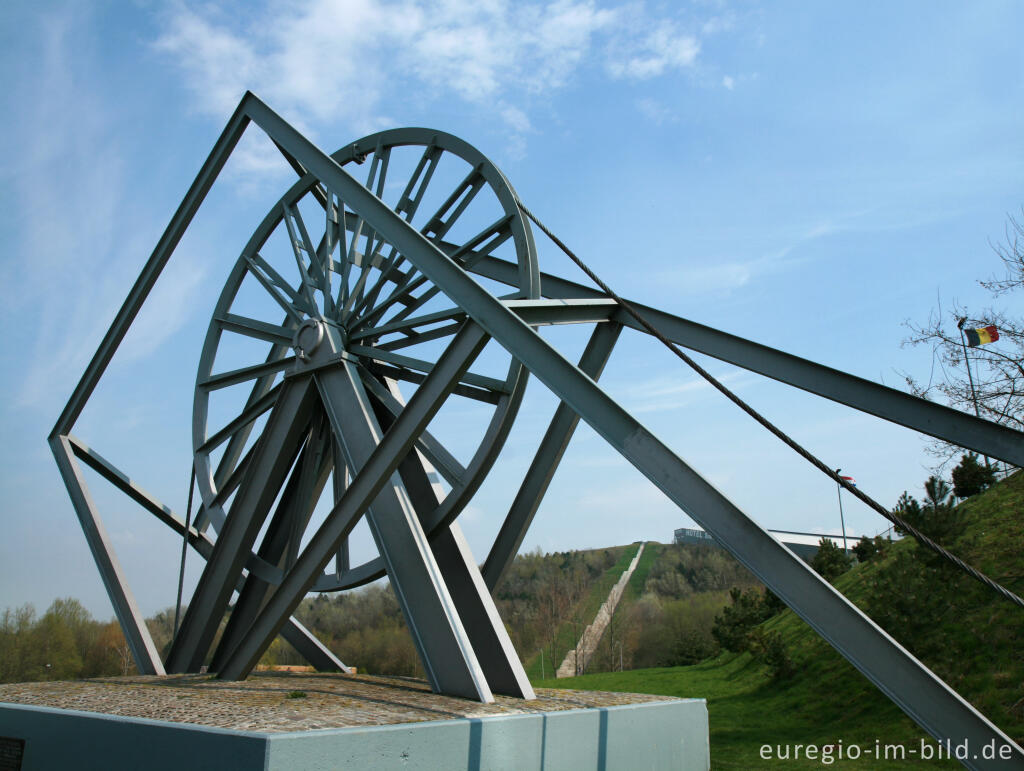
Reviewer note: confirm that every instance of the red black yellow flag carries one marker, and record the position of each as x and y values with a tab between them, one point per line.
981	335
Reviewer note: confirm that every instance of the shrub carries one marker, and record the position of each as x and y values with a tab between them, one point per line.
769	649
831	561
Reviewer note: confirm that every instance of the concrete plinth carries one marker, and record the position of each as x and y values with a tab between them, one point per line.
345	722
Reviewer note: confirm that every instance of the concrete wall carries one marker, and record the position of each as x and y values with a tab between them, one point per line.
658	735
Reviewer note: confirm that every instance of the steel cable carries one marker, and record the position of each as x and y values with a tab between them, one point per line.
184	548
920	537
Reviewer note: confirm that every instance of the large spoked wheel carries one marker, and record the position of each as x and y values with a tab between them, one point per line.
314	262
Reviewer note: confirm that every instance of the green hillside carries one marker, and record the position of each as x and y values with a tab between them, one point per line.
968	635
583	606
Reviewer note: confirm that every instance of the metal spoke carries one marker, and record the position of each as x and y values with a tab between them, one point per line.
244	418
437	226
415	338
260	330
448	466
418	365
468	254
307	282
408	205
293	303
407	324
224	379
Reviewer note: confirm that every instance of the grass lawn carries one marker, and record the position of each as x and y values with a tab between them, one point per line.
747	711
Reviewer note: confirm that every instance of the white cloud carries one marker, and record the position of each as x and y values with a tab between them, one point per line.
340	60
672	393
729	82
655	111
726	276
655	53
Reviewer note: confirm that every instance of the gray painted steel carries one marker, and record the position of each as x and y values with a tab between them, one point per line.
437	630
487	634
667	735
275	454
132	622
921	415
545	462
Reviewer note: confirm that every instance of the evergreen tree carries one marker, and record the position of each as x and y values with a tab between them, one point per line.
831	561
970	477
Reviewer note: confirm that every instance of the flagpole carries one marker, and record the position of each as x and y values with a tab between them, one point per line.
970	378
967	362
842	524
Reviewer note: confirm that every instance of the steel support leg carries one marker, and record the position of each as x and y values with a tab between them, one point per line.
549	455
132	622
275	453
430	613
487	633
283	533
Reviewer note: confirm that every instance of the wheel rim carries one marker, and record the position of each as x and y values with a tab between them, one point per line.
337	270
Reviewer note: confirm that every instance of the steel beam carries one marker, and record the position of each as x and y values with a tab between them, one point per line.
300	495
310	648
276	450
927	699
147	659
936	420
487	634
208	172
372	477
430	612
549	455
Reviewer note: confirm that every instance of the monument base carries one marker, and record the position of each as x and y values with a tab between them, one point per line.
340	721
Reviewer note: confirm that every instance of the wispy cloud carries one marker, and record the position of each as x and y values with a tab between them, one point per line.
672	393
340	60
656	111
663	49
724	276
75	256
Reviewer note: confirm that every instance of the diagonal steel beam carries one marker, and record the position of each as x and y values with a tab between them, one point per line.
147	278
476	608
924	697
549	455
301	493
275	452
372	477
936	420
147	659
429	609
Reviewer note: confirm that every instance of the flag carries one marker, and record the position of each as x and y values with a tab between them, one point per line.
981	335
848	479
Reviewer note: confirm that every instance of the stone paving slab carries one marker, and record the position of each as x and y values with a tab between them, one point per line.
279	702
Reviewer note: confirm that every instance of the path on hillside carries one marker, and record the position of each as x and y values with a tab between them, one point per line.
577	659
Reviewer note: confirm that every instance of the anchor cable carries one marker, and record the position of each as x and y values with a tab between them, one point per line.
184	548
629	308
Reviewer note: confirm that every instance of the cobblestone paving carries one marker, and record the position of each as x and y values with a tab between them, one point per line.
290	702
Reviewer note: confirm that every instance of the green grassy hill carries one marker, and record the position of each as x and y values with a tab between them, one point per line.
968	635
581	614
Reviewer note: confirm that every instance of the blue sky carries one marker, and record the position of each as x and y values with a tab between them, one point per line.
806	175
